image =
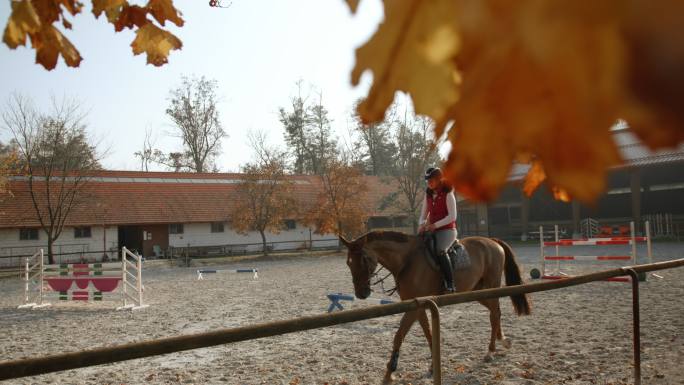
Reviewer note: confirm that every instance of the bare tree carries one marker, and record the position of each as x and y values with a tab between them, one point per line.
193	109
415	153
55	155
147	154
265	196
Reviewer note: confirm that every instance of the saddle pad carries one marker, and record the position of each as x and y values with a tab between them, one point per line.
459	258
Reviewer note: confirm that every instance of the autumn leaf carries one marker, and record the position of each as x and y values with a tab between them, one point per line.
22	21
131	16
111	8
49	43
412	51
534	77
156	43
163	10
50	11
534	178
655	49
72	6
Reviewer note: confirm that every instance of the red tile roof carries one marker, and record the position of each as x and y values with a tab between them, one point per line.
131	197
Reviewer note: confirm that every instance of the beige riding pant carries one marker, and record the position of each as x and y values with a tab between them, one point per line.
445	238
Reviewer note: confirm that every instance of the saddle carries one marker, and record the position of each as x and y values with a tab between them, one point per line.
457	254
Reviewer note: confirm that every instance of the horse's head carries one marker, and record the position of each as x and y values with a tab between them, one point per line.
361	266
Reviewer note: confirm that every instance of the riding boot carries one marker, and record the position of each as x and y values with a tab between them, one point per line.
446	270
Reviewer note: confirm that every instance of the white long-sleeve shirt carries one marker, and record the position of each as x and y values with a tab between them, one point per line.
451	208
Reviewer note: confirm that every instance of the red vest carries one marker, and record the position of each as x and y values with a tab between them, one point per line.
437	207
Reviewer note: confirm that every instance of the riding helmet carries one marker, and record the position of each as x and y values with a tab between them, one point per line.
432	171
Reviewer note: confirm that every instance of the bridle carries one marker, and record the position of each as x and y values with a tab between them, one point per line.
374	274
358	252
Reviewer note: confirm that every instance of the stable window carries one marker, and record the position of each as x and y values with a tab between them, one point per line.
82	232
28	234
216	227
290	224
176	228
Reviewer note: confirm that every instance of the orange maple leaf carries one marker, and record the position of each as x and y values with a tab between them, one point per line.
130	16
155	42
163	10
547	79
23	21
111	8
49	43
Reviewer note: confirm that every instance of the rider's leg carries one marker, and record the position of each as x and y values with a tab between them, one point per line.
445	238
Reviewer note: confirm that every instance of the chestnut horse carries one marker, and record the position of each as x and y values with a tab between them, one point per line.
405	257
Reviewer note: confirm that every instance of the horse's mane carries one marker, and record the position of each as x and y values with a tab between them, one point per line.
394	236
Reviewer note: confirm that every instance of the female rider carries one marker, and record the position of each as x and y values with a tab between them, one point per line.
438	215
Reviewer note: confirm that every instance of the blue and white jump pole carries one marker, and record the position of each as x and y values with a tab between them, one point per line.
200	273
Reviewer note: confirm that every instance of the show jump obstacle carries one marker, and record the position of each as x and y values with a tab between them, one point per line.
200	273
335	299
558	274
84	282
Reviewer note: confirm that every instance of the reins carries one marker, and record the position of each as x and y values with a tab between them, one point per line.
381	281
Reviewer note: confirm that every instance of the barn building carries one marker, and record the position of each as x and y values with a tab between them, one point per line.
649	186
157	212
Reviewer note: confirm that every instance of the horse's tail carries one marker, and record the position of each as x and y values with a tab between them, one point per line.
521	303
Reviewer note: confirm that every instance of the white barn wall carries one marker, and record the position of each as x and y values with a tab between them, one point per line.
199	234
10	245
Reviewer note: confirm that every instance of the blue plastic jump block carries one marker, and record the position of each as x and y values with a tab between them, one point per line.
335	299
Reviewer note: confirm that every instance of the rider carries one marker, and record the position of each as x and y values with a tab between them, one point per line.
438	215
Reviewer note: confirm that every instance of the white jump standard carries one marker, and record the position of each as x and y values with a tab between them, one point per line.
201	272
558	274
84	282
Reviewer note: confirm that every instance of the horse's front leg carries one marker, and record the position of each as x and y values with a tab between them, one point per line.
425	324
404	326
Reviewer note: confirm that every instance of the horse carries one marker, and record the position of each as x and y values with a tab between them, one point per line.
406	258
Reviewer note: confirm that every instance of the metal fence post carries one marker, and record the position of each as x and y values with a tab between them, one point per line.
636	325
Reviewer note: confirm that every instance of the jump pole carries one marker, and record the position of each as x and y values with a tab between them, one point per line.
201	272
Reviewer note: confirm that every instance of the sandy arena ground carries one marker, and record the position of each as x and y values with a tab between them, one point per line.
579	335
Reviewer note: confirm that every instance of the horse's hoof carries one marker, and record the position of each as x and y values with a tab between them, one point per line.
488	357
389	378
506	342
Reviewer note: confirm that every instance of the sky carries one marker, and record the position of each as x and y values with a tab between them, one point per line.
257	50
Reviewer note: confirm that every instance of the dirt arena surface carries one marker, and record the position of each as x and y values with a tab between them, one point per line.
578	335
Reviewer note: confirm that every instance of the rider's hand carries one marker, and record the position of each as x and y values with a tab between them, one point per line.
430	227
421	229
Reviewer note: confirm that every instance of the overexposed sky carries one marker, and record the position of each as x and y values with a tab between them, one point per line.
257	50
